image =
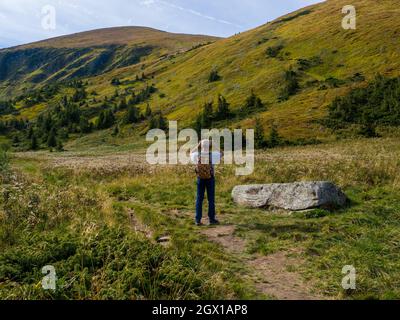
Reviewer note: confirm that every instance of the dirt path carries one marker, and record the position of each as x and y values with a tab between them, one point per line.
271	274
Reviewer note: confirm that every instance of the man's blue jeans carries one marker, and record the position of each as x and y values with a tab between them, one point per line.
202	185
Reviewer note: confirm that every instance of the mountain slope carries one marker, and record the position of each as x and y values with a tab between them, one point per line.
314	34
308	47
86	54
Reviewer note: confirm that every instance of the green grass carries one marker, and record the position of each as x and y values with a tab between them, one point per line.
72	218
56	209
58	220
364	234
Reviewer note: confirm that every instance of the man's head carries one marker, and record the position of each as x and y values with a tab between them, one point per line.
205	145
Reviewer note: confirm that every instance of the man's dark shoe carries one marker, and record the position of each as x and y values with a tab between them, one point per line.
214	222
199	223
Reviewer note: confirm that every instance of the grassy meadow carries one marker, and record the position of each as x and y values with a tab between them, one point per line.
78	194
98	219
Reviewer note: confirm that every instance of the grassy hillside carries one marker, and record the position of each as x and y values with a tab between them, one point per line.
297	64
86	54
120	36
244	65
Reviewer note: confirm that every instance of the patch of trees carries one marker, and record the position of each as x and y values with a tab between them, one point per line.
143	95
12	125
274	139
273	51
223	112
199	46
333	82
291	85
376	104
105	120
208	116
132	115
252	104
75	84
115	82
211	115
158	121
38	96
79	95
305	64
263	40
261	142
214	76
53	126
155	120
7	107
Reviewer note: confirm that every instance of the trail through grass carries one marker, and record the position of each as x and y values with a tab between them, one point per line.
80	219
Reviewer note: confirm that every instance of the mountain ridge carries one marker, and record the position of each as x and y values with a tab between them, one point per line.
127	35
297	65
86	54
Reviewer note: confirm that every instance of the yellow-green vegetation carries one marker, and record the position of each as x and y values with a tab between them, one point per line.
97	210
86	54
243	65
327	62
96	218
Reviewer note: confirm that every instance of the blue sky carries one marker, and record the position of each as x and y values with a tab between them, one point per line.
21	20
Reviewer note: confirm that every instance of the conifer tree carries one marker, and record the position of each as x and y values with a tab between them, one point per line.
132	115
122	105
274	139
51	140
259	138
222	112
207	116
33	143
59	146
148	112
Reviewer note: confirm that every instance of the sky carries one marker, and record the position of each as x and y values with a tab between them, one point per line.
24	21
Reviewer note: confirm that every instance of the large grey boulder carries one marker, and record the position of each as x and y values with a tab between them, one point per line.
290	196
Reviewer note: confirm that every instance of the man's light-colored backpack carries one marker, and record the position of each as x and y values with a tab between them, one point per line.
204	171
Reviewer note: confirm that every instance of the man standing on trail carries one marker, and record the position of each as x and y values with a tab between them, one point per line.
205	159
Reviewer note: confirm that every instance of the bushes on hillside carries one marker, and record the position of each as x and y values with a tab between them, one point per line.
132	115
208	116
252	105
305	64
273	51
79	95
214	76
291	85
105	120
6	107
143	95
259	137
115	82
273	140
376	104
157	121
222	111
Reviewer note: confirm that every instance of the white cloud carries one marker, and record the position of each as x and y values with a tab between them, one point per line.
194	12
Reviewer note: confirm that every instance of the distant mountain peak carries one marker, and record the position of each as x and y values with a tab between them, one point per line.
125	35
